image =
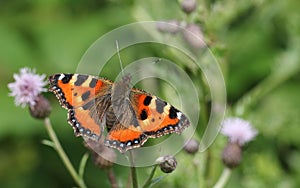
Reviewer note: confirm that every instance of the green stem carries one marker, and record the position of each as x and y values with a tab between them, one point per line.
223	178
133	171
63	155
82	165
148	181
201	164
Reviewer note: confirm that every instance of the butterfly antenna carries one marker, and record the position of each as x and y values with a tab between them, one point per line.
121	63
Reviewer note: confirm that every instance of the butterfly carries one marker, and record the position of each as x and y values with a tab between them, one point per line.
129	115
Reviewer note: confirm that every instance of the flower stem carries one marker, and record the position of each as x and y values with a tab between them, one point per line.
82	165
223	178
112	178
63	155
133	171
148	181
200	163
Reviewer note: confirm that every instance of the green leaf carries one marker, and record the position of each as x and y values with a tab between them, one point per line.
156	180
48	143
279	113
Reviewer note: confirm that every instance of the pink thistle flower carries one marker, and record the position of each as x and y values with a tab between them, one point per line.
238	130
27	87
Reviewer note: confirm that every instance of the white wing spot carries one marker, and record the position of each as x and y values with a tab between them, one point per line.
179	114
61	77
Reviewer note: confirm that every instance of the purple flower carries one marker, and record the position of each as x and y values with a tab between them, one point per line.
238	130
27	87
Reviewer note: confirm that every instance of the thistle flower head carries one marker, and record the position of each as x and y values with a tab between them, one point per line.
238	130
27	87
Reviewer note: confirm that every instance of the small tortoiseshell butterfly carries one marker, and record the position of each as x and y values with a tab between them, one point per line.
130	115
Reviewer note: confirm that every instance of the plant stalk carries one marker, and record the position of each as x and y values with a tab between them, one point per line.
57	146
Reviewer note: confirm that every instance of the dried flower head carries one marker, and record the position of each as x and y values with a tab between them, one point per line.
191	146
27	87
167	163
238	130
188	6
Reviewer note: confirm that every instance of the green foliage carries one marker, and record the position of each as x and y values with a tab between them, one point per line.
255	42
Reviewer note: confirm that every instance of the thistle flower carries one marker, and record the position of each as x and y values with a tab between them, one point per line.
167	163
238	130
27	87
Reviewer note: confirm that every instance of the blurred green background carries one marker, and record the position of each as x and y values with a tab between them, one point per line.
257	44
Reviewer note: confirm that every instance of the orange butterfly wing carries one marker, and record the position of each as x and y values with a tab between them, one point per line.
155	118
89	103
77	93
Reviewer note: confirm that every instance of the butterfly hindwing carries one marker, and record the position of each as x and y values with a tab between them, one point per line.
154	118
157	117
124	138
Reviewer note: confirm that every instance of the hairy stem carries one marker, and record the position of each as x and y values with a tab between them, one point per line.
57	146
148	181
133	171
223	178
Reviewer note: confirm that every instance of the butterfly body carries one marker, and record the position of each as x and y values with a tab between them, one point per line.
130	115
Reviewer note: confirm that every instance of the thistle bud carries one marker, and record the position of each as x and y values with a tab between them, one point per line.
171	26
194	36
232	155
41	108
167	163
191	146
188	6
239	132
